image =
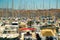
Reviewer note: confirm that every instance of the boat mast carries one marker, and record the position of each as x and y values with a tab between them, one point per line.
7	9
33	8
56	4
49	9
28	13
24	12
2	10
19	9
40	11
56	7
43	8
12	8
37	9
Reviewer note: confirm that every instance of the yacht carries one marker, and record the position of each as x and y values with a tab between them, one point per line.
7	32
48	29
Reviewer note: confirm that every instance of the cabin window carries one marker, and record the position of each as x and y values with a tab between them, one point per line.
14	23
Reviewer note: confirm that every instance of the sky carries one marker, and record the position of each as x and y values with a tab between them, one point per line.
30	4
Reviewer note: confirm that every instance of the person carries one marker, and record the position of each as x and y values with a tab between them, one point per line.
38	37
27	36
49	38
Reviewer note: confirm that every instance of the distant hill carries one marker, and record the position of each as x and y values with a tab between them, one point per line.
39	12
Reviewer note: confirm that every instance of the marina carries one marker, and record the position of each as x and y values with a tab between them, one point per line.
23	30
29	20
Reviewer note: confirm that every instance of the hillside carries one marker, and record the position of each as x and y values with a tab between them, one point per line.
26	13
